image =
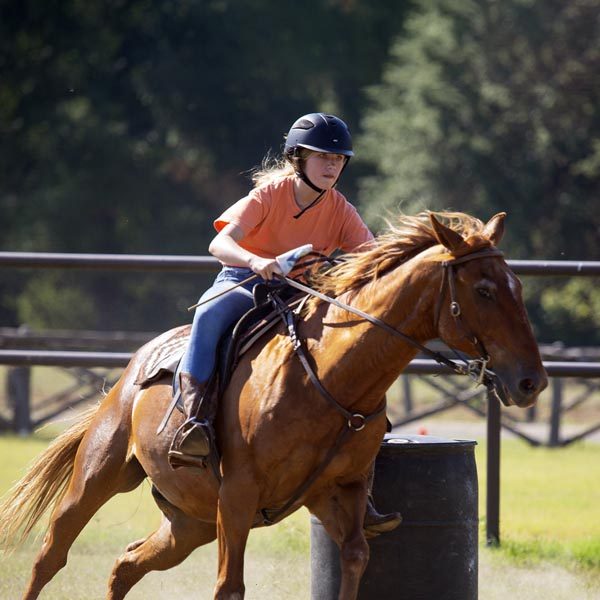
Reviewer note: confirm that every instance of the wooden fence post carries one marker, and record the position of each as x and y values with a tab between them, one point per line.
407	394
492	516
557	392
19	388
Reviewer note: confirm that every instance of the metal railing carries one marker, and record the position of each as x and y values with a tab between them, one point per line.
149	262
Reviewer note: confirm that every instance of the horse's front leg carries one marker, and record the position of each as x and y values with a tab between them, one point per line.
342	514
237	507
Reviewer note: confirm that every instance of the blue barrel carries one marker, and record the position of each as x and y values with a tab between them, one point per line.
433	554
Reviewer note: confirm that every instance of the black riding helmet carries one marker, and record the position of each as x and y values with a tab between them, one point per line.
320	133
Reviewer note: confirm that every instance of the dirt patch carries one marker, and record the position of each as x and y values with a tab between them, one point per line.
499	580
287	577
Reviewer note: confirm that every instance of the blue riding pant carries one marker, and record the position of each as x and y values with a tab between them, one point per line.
212	319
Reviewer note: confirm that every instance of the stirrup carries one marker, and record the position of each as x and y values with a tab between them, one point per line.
178	459
191	443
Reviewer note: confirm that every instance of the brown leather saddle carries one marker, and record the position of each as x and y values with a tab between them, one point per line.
240	337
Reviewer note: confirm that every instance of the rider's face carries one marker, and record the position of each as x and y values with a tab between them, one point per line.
324	168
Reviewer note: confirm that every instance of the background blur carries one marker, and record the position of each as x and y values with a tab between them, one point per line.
126	126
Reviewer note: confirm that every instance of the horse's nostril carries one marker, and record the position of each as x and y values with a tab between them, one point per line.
527	386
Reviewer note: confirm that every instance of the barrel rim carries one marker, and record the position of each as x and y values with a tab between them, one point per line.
411	441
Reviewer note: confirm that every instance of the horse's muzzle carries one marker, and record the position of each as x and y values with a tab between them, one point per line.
520	391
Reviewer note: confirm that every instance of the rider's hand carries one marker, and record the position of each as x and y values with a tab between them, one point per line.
265	267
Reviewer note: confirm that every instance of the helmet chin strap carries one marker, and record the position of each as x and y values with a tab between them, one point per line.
297	162
307	181
302	175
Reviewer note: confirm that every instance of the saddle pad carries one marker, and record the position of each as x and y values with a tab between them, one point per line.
168	350
170	346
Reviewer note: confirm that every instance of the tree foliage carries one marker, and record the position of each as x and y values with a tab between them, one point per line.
493	106
127	126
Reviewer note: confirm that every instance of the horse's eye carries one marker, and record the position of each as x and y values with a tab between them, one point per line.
484	292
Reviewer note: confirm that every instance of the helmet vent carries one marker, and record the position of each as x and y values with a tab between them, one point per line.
304	124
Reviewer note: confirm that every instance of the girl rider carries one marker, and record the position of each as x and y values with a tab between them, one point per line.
294	202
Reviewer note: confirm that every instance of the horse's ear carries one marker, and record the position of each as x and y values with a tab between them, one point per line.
445	236
494	228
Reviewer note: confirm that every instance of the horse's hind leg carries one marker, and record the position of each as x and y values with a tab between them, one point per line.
80	503
100	471
83	499
169	545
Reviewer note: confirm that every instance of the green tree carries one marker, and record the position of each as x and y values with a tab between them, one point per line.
126	126
493	106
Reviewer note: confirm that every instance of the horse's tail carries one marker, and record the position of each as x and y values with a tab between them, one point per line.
43	485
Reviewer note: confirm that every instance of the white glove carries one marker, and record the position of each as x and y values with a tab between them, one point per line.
287	260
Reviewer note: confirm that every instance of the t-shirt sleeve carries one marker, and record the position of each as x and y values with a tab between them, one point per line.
247	213
354	231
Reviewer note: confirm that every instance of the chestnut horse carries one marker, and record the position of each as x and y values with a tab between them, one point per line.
274	427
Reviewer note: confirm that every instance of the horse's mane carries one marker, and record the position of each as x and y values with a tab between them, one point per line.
403	238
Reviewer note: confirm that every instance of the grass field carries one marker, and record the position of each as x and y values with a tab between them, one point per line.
550	529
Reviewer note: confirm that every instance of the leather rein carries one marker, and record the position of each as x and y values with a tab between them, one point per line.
477	368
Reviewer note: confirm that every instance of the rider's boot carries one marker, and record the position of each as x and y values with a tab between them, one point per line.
192	442
374	522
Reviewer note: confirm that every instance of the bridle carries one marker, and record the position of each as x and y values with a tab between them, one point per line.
448	280
475	368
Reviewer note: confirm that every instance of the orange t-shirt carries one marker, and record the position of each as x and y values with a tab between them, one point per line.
266	217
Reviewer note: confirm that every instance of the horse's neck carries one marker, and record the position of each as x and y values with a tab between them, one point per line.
365	356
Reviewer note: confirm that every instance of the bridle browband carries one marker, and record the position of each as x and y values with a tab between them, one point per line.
475	368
